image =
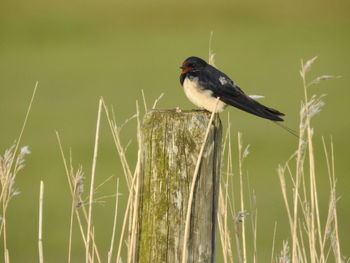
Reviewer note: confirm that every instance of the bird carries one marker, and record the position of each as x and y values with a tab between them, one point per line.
203	84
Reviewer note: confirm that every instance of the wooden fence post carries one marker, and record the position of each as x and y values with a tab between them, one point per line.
171	142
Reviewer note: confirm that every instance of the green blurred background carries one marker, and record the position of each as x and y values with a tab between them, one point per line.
81	50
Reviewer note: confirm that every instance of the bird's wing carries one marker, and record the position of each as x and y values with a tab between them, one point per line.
223	87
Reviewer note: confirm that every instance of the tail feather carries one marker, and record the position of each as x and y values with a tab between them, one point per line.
275	112
249	105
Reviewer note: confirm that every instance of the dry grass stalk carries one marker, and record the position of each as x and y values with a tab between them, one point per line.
40	232
253	214
130	214
10	164
305	218
75	181
157	100
211	59
76	187
135	193
227	212
125	220
92	184
110	252
144	100
224	209
121	150
240	169
273	242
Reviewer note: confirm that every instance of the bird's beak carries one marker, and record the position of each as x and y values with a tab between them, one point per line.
183	67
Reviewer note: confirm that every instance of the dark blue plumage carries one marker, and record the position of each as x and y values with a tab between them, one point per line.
203	83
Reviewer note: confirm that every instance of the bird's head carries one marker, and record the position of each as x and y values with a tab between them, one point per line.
193	64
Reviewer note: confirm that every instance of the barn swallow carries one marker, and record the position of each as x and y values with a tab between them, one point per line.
203	84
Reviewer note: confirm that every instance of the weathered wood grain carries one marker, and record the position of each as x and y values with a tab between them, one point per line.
171	143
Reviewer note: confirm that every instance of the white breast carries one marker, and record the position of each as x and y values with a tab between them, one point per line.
201	98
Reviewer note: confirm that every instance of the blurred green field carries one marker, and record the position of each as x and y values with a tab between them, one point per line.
82	50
